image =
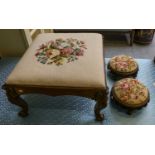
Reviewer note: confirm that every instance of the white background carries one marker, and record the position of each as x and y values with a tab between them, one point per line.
77	140
77	14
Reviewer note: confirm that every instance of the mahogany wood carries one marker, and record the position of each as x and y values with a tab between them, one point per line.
13	93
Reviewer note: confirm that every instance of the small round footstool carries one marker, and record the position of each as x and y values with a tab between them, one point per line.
130	94
123	65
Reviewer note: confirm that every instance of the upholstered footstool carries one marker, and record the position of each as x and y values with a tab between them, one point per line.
130	93
61	64
123	65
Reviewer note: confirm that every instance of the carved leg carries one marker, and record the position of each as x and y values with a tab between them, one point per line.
129	111
101	102
135	75
14	98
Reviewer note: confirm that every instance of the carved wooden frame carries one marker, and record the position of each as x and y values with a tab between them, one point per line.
13	93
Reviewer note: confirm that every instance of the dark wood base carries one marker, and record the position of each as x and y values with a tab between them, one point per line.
154	60
101	103
13	93
15	98
120	76
129	110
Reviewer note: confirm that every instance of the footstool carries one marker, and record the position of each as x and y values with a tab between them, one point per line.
130	93
123	65
61	64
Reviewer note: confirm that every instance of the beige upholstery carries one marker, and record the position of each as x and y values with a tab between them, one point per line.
87	71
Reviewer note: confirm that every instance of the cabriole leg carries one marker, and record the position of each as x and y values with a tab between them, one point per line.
15	98
101	103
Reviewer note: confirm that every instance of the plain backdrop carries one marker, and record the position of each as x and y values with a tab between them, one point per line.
77	140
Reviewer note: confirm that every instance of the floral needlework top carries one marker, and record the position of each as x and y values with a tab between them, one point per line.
60	51
123	63
131	91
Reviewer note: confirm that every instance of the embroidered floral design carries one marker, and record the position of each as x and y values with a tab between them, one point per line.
131	91
123	63
60	51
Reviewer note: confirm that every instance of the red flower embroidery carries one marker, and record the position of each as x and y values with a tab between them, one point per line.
66	51
130	89
60	51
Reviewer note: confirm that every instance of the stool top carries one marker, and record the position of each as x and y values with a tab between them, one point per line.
130	92
62	59
123	64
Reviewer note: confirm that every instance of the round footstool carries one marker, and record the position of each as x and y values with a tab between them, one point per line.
123	65
130	93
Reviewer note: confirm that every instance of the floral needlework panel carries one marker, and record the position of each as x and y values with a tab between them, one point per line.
60	51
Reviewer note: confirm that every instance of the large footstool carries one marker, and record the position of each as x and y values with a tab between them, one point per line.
61	64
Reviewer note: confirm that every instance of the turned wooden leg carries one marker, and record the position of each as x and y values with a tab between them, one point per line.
145	105
15	98
101	102
132	37
135	75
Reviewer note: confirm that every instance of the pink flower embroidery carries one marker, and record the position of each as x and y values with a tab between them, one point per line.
130	89
125	86
66	51
80	53
37	53
60	51
42	46
123	63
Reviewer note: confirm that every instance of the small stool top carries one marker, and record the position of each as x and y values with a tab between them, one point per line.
123	64
130	92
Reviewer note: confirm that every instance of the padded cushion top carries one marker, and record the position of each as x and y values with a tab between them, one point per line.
62	59
131	92
123	63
